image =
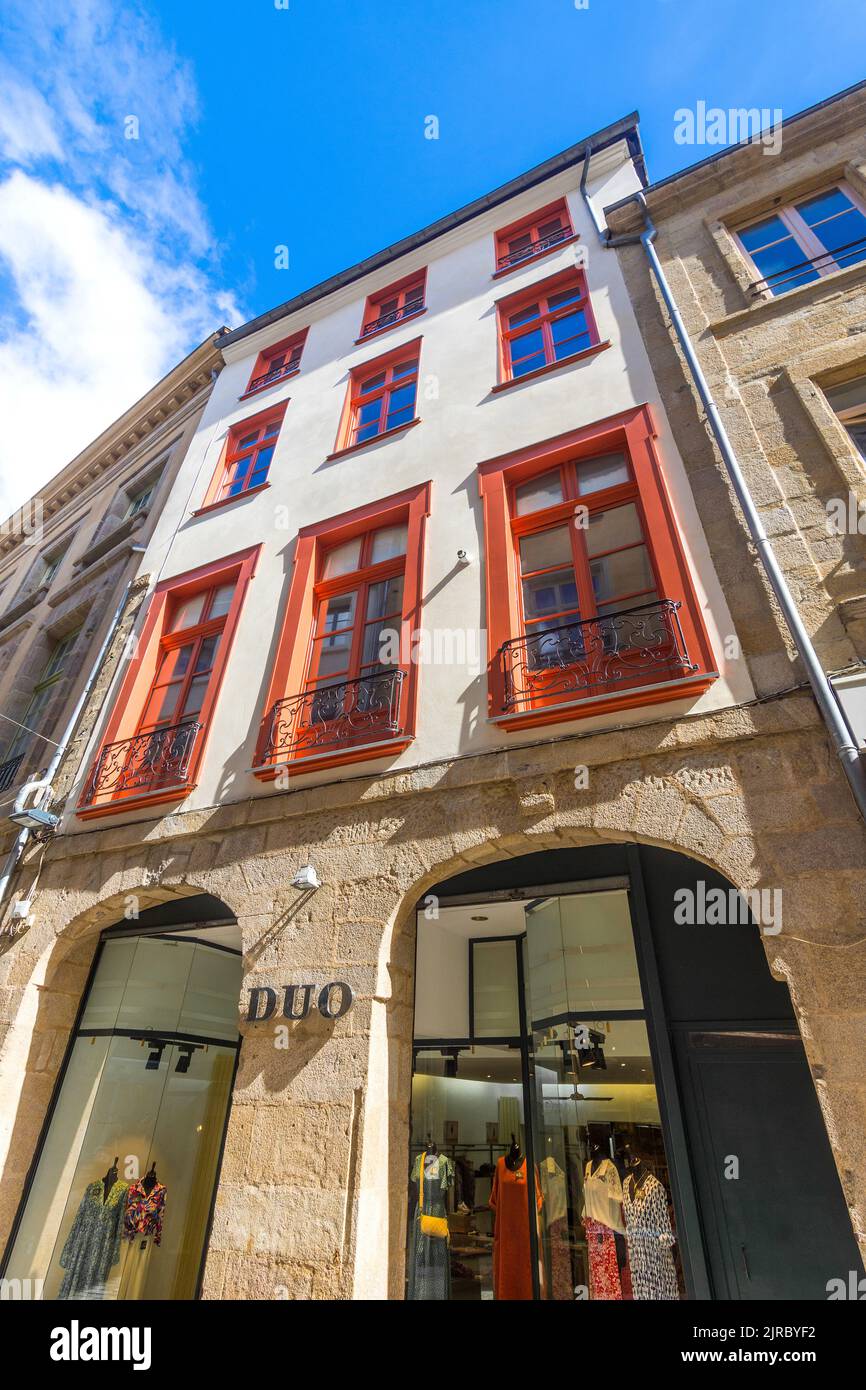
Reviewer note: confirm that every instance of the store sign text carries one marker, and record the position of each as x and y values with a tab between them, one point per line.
332	1001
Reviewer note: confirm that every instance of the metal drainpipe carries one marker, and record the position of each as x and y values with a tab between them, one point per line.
43	784
844	740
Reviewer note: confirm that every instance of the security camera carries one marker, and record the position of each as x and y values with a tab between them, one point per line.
306	878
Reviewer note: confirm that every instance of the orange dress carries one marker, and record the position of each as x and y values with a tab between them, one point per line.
512	1255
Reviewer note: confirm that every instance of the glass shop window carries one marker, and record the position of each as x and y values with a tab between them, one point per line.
120	1201
537	1166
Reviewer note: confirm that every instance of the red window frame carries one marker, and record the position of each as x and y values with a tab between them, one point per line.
385	372
542	293
240	458
277	363
632	434
395	305
127	716
525	241
293	671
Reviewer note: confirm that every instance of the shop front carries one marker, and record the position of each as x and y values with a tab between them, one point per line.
119	1198
609	1103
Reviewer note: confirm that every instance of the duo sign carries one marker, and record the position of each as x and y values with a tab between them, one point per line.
298	1001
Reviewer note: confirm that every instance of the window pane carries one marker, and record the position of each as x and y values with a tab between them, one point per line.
248	441
621	574
774	251
764	233
388	542
174	664
340	612
207	653
527	352
381	644
523	316
570	334
401	402
550	593
372	383
221	601
618	526
385	597
494	988
550	228
343	559
404	369
188	612
836	223
195	697
608	471
333	655
545	549
563	297
542	492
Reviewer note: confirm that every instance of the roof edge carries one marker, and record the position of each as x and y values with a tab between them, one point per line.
626	128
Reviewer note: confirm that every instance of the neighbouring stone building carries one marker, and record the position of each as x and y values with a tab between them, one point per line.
457	710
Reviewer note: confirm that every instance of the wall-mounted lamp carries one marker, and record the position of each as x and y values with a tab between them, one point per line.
463	557
306	878
34	819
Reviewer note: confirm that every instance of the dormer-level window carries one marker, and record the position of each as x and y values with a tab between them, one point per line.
275	364
533	236
804	241
392	306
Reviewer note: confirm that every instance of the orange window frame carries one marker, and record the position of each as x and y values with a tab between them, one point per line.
541	294
292	673
360	580
633	434
388	367
537	235
233	452
409	299
127	714
277	363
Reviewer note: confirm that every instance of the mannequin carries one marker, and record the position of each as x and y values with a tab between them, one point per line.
512	1254
648	1230
109	1180
602	1220
149	1180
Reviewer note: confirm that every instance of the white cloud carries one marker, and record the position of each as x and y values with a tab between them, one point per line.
104	242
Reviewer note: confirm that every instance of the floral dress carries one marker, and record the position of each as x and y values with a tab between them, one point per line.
144	1212
93	1243
650	1239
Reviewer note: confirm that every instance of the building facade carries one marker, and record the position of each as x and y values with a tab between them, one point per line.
394	940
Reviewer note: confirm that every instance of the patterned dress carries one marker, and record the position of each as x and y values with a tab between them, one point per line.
602	1216
650	1239
93	1243
429	1256
144	1212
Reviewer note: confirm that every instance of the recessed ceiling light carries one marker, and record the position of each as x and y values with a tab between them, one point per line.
480	919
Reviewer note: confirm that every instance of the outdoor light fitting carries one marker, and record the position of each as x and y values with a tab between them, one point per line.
306	878
34	819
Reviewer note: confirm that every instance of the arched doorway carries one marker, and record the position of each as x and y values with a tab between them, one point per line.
610	1096
118	1201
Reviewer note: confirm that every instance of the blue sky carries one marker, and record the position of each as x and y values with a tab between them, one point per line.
263	123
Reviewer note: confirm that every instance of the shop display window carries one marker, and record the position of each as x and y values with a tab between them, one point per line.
119	1202
538	1165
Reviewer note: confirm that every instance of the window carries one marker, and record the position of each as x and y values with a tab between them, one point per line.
343	686
535	1108
589	597
391	306
246	458
149	1068
140	501
156	732
533	237
381	397
42	695
545	325
849	403
276	363
803	241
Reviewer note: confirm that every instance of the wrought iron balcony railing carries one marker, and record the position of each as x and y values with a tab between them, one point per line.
275	374
9	771
533	248
849	254
580	659
413	306
146	763
363	710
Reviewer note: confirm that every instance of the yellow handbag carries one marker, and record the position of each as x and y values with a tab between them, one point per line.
436	1226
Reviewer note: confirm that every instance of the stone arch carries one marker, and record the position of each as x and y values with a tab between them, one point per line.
49	995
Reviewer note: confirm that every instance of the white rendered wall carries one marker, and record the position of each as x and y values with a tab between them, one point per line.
463	424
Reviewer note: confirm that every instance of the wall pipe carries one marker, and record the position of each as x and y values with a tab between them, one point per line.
43	785
842	736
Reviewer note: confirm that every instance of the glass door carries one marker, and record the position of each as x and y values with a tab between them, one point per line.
605	1223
